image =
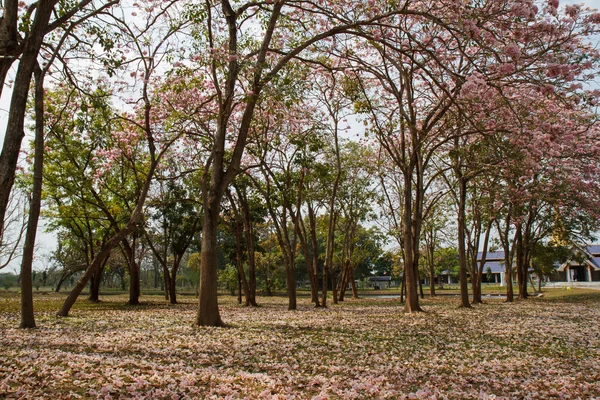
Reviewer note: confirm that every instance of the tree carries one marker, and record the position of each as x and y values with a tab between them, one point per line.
22	31
141	124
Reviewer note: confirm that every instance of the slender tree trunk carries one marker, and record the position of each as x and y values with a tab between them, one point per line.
334	291
166	279
238	228
332	217
477	292
156	275
353	285
403	289
18	105
173	278
239	297
520	261
410	261
315	251
462	251
27	316
431	255
345	279
249	230
420	284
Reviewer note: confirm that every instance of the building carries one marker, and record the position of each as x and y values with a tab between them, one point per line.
381	282
583	267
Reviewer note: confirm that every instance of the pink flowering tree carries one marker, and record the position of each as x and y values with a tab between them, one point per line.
144	43
234	46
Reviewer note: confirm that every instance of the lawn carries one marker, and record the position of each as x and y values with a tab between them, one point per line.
541	348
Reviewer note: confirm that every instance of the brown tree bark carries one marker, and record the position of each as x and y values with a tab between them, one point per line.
177	257
27	315
353	285
312	220
208	307
411	261
249	285
522	267
95	282
508	256
462	251
16	115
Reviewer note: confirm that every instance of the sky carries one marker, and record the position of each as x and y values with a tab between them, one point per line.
46	241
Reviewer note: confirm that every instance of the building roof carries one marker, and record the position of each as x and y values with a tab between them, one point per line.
380	278
496	267
594	249
492	256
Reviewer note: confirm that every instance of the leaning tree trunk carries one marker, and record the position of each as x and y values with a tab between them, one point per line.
136	217
14	134
97	263
27	316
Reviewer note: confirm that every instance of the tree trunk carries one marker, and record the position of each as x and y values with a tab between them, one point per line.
431	255
166	280
353	285
521	266
462	251
97	263
134	272
249	231
411	263
95	284
291	286
136	217
315	251
345	277
18	105
402	289
239	298
334	289
238	230
173	277
420	284
27	316
208	307
477	292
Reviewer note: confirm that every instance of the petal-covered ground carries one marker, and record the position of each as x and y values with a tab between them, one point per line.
536	349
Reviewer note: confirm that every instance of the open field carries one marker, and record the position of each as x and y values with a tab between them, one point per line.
542	348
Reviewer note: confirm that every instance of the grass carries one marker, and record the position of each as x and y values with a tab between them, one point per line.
541	348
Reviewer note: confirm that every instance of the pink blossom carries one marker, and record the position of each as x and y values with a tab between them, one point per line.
513	51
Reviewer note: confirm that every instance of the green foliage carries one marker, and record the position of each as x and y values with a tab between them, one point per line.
228	278
545	258
446	259
7	280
